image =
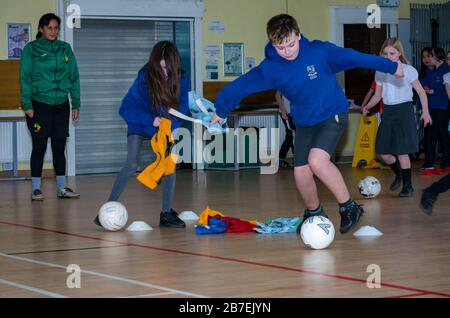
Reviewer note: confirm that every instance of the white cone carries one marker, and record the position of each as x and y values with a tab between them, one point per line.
188	216
139	226
367	231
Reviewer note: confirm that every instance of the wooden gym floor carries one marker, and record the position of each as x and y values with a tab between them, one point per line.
38	240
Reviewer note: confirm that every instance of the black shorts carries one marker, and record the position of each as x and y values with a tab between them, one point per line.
49	120
324	135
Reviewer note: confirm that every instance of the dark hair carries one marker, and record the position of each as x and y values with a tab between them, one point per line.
439	54
280	28
164	92
45	21
423	67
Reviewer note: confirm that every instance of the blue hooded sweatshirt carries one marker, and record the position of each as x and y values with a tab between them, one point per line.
309	81
136	108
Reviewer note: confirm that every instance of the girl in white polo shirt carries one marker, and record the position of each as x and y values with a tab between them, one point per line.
397	136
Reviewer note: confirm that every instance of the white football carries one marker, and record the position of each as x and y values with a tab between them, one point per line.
113	216
317	232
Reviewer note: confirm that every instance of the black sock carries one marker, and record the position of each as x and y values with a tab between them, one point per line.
406	176
346	204
396	168
317	210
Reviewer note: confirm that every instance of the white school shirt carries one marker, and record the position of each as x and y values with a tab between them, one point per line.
447	79
397	90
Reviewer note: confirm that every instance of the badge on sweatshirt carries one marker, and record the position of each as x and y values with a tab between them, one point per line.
312	74
66	59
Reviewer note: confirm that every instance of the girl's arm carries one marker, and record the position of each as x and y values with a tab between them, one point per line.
373	101
447	88
424	101
367	98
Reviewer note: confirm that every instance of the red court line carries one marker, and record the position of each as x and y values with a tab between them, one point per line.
228	259
407	296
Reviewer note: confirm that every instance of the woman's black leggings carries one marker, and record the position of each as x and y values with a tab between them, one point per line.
38	153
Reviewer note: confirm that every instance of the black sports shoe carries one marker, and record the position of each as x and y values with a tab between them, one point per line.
407	191
284	164
97	221
427	166
350	216
309	214
171	219
397	183
427	201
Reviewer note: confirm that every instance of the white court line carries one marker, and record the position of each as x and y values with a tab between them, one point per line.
118	278
33	289
148	295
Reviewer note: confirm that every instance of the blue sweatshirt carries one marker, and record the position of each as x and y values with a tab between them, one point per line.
309	81
136	108
434	79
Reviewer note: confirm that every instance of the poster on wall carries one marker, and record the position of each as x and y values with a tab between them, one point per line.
18	34
233	59
212	69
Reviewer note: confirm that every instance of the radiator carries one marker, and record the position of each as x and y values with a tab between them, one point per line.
23	143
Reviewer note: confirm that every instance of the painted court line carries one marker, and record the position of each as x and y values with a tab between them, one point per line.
117	278
407	296
228	259
148	295
32	289
66	250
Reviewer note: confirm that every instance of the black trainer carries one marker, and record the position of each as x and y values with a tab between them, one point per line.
350	216
407	191
427	201
309	214
97	221
171	219
397	183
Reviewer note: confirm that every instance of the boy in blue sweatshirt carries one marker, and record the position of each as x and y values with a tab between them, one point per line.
305	72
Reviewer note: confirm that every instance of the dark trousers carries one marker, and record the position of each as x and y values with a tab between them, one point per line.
38	153
49	121
288	142
438	131
441	185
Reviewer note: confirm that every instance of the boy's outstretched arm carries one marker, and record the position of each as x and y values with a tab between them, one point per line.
340	59
229	97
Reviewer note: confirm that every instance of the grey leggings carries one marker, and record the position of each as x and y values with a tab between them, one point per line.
133	148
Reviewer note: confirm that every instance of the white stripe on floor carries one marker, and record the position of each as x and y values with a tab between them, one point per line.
117	278
32	289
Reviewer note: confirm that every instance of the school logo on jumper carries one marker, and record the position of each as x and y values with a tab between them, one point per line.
311	72
66	59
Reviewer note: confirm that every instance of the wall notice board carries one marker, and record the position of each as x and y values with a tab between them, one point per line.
10	84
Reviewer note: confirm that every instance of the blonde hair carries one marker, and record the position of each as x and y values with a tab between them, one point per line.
396	44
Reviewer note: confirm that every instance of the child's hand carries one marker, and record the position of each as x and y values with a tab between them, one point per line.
428	90
157	122
364	110
284	115
216	119
426	119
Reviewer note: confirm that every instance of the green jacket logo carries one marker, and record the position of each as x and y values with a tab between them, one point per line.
37	128
66	59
